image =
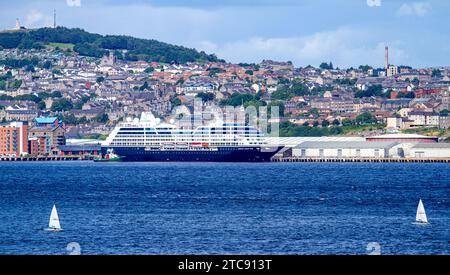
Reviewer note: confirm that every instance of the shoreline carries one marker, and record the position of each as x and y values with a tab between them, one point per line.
375	160
273	160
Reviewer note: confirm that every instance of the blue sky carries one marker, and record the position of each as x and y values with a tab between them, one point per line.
346	32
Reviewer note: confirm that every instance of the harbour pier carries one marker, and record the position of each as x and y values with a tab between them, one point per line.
373	160
46	158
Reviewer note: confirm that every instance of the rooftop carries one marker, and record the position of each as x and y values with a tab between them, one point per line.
346	145
432	146
45	120
398	136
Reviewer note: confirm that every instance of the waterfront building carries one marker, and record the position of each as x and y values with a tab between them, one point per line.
410	138
365	149
345	149
430	150
37	146
51	130
81	150
14	139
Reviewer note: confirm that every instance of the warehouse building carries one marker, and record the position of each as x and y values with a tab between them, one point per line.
403	138
347	149
430	150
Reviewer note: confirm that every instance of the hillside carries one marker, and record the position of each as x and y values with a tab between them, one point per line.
95	45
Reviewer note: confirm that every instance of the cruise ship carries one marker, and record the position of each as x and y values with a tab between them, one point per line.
149	139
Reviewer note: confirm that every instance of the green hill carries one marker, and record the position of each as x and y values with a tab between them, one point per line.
96	45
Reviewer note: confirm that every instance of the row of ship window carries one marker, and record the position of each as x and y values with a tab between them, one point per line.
189	134
147	144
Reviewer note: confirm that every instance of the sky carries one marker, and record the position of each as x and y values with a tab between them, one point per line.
306	32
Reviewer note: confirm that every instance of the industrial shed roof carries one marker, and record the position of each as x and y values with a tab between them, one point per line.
432	146
346	145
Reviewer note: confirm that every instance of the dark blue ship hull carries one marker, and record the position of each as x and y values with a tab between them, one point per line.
225	154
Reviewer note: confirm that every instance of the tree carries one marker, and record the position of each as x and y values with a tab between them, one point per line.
69	119
347	122
62	105
336	122
316	124
346	81
282	93
83	120
41	105
314	112
89	49
47	65
306	124
30	68
237	99
149	70
100	79
325	123
249	72
56	94
436	73
406	95
444	112
144	86
326	66
365	118
102	118
374	90
176	102
365	68
79	104
214	70
206	96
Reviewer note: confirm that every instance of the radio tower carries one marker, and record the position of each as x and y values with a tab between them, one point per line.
54	19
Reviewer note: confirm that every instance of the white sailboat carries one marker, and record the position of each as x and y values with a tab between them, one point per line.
421	216
53	224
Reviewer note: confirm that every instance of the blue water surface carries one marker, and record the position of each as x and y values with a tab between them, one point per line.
224	208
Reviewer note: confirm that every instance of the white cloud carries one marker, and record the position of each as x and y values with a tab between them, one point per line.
73	3
345	47
417	9
373	3
37	19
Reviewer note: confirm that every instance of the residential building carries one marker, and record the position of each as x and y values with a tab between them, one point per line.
37	146
14	139
421	118
392	71
52	130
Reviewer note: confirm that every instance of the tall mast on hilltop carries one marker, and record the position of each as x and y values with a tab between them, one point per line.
54	19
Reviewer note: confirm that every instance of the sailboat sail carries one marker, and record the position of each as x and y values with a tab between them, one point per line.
421	216
54	220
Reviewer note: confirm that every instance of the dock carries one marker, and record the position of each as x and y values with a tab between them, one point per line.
373	160
46	158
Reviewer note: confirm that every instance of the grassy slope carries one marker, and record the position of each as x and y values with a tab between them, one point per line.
61	45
